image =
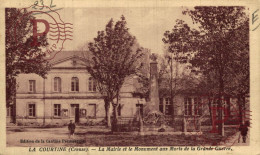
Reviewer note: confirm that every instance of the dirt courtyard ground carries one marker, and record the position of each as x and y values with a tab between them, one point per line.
101	136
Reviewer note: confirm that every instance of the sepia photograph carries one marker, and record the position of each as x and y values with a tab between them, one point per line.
127	76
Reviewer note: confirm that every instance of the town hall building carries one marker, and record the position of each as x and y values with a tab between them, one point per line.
68	93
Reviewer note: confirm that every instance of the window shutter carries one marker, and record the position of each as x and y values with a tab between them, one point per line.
27	110
34	86
59	85
35	109
55	84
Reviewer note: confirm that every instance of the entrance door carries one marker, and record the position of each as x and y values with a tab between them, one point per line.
75	112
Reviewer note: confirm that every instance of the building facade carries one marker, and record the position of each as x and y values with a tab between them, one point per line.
67	93
199	109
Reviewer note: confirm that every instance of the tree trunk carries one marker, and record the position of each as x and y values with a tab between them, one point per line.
107	108
115	114
115	117
108	119
220	118
243	109
171	101
240	109
11	97
141	125
220	105
210	112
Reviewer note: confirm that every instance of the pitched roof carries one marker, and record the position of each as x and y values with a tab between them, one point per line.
66	54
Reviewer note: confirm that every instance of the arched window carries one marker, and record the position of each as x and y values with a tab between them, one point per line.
74	84
57	84
92	84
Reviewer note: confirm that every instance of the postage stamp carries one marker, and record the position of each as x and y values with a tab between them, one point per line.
100	77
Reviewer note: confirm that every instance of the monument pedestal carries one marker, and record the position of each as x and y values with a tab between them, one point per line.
153	104
152	114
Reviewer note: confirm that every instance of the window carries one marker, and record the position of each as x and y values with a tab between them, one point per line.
57	110
92	84
188	106
57	84
31	110
168	106
92	111
197	106
32	88
165	107
74	84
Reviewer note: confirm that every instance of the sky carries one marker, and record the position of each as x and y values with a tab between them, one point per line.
146	24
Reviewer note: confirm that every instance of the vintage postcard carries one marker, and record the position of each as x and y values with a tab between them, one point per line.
130	77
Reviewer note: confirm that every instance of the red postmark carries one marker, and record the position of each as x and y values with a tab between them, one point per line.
231	114
47	22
